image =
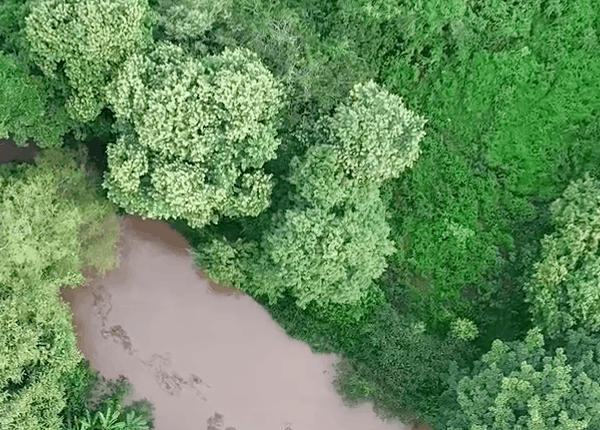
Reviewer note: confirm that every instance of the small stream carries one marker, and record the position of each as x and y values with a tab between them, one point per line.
207	357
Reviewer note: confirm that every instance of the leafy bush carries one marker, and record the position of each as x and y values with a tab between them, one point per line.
94	403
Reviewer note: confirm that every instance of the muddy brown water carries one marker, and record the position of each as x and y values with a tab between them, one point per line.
207	357
11	152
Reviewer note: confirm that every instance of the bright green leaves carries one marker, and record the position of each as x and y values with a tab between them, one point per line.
189	20
318	178
38	349
564	290
87	41
331	243
128	164
195	135
111	417
331	256
38	234
464	329
376	136
521	386
47	217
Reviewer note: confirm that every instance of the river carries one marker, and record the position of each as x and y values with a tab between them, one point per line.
207	357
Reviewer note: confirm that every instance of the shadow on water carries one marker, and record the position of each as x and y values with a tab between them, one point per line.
11	152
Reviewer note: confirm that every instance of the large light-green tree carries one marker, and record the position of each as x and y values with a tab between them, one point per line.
564	290
195	134
85	42
49	218
376	136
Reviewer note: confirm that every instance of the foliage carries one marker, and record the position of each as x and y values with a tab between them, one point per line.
332	242
49	218
38	349
39	231
314	254
564	289
196	133
111	418
397	366
39	253
376	136
12	22
99	230
23	106
190	20
510	93
96	403
323	256
387	358
464	329
520	385
509	125
85	43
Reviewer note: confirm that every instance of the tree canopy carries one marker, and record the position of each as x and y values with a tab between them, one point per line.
564	289
48	217
332	241
85	43
24	110
195	134
376	136
520	386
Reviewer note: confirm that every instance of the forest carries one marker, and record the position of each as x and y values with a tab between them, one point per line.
413	185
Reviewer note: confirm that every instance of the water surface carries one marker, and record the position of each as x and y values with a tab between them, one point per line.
207	357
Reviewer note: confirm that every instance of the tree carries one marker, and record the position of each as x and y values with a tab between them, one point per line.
564	289
38	241
23	107
85	43
331	242
329	256
47	213
189	20
521	386
328	248
195	135
464	329
376	136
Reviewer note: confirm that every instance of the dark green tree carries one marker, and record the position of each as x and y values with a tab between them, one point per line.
24	110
